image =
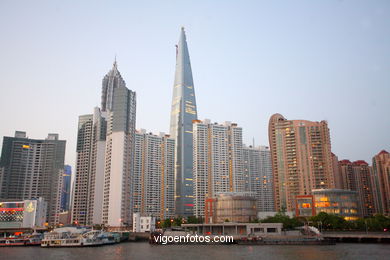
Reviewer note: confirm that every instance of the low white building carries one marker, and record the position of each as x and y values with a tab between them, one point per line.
23	214
143	224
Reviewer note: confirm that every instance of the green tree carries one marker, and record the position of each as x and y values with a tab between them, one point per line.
166	223
329	221
194	220
281	217
177	222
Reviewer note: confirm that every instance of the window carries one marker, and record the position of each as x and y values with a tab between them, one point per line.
271	230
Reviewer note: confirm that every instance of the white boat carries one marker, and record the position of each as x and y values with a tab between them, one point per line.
75	237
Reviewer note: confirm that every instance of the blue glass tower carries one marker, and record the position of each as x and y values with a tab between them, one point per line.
183	112
65	192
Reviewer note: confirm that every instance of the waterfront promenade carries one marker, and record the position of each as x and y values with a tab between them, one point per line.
369	237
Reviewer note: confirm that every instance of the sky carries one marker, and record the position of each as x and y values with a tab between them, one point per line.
312	60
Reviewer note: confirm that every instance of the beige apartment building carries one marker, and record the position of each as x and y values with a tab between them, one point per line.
301	159
381	179
357	176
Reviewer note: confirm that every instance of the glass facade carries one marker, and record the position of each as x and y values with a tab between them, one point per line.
340	202
234	207
305	206
183	111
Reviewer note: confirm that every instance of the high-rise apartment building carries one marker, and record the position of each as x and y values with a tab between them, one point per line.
381	180
258	175
153	175
301	159
218	161
357	176
348	181
338	182
119	157
87	197
183	111
365	190
33	168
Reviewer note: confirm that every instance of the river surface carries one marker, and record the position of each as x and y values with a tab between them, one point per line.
143	250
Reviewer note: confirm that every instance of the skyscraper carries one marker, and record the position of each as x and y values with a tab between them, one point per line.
348	181
119	157
183	111
87	199
301	159
153	175
363	178
111	81
218	161
338	182
357	176
381	179
65	191
33	168
258	171
105	145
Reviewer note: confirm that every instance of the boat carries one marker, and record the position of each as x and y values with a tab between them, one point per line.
78	237
110	238
24	240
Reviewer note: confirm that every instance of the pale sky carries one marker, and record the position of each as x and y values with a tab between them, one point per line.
313	60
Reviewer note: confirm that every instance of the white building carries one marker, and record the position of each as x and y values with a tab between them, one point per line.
218	161
119	157
105	146
258	175
143	224
89	177
264	215
23	214
153	175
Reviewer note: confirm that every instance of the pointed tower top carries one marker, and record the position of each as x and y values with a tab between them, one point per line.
183	74
115	65
111	81
182	35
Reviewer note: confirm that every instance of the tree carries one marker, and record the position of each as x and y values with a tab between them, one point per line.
194	220
166	223
329	221
281	217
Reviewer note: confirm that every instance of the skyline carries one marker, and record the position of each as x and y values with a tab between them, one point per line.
241	62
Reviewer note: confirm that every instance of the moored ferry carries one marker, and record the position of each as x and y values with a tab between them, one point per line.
24	240
76	237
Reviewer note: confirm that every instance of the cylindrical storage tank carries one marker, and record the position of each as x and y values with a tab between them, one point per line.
235	207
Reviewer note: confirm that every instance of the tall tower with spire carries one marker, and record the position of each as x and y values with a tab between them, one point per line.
105	146
111	81
183	111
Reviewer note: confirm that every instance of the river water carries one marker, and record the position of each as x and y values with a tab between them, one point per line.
143	250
